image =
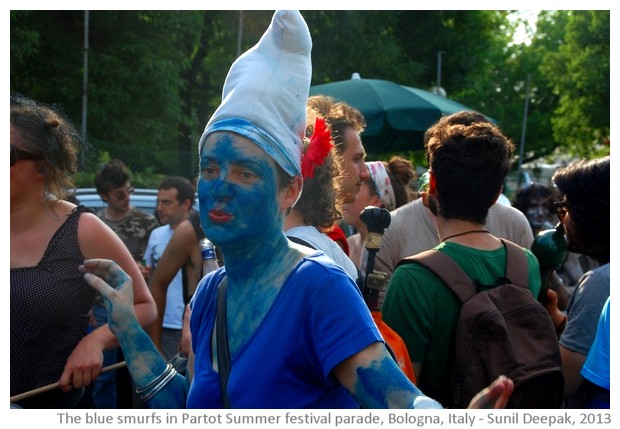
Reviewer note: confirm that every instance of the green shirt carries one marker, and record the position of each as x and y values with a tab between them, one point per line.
424	311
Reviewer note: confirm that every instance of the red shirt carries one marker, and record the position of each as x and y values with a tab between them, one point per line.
337	234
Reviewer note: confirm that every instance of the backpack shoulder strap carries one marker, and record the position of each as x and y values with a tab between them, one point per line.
447	270
300	241
517	268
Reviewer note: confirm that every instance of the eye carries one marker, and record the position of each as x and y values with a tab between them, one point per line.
247	175
208	172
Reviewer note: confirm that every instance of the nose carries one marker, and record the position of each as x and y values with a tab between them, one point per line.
364	172
221	191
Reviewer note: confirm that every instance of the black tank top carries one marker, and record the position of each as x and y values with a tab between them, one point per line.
49	311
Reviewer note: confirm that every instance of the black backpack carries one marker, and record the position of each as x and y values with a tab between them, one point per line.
502	330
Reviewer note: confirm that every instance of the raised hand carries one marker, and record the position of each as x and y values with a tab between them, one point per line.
115	286
496	395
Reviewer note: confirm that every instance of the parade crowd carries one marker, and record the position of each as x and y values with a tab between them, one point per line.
293	284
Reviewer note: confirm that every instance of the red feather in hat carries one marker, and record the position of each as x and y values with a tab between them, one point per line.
318	148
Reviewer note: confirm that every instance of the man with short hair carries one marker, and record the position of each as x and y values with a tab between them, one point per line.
113	183
175	198
413	227
468	165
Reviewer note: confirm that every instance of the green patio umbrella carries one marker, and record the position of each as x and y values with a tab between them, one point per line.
396	116
444	104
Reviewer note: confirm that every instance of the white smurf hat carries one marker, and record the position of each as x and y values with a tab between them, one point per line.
265	93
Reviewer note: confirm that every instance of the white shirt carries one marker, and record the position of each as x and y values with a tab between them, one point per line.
323	242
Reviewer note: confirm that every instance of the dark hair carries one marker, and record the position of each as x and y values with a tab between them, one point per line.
470	163
45	130
338	115
535	191
465	117
585	186
401	173
185	189
113	175
320	202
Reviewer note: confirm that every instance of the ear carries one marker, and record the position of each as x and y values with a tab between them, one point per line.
431	193
291	193
40	167
432	183
376	201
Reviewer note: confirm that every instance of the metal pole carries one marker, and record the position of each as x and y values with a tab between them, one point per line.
85	89
524	127
439	71
240	33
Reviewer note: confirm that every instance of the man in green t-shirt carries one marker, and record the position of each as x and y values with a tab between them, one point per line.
468	165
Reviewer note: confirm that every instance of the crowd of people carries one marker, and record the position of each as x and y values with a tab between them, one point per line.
283	179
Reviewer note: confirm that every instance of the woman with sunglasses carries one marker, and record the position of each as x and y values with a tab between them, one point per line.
50	237
584	213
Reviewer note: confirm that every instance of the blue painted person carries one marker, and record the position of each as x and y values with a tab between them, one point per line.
299	332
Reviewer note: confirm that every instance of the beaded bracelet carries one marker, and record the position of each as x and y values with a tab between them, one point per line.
169	369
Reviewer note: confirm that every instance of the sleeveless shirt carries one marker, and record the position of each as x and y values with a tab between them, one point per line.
49	311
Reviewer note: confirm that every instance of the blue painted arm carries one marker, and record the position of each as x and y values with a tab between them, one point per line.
145	363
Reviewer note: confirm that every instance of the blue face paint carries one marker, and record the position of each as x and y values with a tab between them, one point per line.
237	191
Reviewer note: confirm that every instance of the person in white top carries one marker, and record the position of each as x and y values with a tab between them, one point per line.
175	198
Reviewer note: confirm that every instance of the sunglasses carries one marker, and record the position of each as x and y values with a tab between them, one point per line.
17	154
561	208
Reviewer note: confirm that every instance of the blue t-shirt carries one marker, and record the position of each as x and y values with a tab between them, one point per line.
596	366
317	320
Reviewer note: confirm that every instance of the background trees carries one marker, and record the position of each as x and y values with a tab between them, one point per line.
155	77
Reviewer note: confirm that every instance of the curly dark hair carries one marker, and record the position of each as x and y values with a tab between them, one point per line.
585	187
470	163
320	202
465	117
534	191
45	130
113	175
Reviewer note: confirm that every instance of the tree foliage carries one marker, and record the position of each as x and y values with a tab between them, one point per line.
579	76
155	77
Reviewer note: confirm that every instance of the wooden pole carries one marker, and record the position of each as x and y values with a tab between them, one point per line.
56	385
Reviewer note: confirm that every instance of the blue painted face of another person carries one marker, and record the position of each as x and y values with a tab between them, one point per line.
237	191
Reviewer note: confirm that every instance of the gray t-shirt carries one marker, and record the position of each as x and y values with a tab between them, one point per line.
584	309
